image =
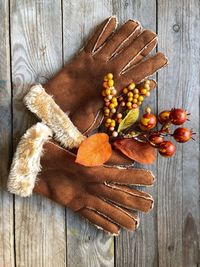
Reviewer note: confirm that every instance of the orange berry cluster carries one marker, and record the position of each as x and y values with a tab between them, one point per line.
109	92
112	118
133	97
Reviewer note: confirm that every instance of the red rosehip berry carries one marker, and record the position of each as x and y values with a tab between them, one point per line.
167	149
148	121
163	116
178	116
156	139
182	135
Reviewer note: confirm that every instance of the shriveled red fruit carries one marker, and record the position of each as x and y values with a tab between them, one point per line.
156	139
147	122
163	116
178	116
167	149
182	134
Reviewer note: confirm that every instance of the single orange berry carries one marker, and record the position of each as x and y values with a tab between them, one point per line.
110	76
110	83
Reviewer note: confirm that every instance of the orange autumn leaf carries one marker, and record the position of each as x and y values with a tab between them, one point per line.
95	150
140	152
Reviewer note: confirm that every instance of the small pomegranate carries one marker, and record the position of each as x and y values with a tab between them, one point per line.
156	139
163	116
167	149
178	116
182	134
148	121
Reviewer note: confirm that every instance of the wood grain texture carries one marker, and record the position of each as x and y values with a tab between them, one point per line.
6	200
86	245
36	232
178	191
140	247
36	46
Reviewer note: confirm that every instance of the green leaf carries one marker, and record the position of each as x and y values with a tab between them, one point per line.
129	120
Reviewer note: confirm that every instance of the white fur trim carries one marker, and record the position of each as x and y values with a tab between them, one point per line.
43	105
26	161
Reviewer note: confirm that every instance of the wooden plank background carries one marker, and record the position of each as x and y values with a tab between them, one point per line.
36	38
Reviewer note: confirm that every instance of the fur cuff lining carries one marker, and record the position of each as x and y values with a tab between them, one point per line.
26	161
43	105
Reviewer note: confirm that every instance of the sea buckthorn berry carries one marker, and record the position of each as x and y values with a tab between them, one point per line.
110	76
112	124
136	96
140	98
119	120
130	94
111	128
108	120
135	101
139	103
121	98
167	149
125	91
178	116
136	91
109	97
105	85
108	91
110	83
182	135
119	115
147	82
113	91
129	104
143	91
131	86
123	104
115	104
147	86
148	110
113	110
134	106
115	134
148	94
163	116
111	106
103	93
106	99
107	104
130	99
114	100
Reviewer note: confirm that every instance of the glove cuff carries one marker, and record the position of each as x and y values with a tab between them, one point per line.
26	161
43	105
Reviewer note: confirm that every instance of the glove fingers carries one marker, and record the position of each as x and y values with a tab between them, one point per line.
101	34
144	69
130	53
130	176
123	196
128	30
99	220
114	213
143	54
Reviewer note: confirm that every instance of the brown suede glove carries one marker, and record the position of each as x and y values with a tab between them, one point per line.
77	87
102	195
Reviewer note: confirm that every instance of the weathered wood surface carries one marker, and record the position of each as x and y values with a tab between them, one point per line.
36	38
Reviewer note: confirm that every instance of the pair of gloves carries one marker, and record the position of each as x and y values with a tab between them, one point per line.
44	162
